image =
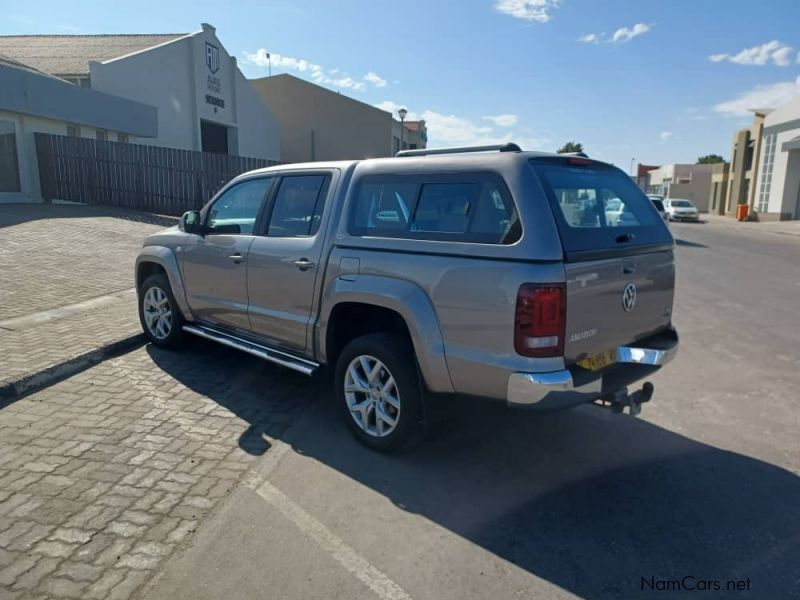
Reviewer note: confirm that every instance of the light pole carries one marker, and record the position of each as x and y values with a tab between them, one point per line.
633	159
269	61
402	113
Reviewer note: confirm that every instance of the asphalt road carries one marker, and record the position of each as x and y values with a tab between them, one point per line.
506	504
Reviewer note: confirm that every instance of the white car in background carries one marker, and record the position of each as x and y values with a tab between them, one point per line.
681	210
658	202
618	216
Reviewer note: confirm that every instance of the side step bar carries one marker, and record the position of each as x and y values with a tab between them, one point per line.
279	357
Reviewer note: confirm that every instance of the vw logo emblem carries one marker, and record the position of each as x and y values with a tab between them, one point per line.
629	297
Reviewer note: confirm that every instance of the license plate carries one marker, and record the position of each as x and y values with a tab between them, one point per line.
599	361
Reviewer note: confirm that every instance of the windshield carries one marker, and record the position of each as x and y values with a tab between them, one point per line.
681	203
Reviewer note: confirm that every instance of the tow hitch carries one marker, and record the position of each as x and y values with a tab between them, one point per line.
621	399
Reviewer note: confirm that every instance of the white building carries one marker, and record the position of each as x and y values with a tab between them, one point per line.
203	100
33	102
778	182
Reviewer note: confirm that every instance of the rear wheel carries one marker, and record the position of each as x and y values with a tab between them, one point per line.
378	390
159	314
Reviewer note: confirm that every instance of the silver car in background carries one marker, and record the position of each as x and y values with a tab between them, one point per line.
681	210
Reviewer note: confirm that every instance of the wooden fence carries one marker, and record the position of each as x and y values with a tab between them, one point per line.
166	181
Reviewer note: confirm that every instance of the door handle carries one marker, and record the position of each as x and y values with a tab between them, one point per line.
237	258
303	264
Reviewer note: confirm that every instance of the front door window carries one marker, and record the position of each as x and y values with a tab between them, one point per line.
236	210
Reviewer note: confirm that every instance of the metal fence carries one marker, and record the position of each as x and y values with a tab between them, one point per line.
166	181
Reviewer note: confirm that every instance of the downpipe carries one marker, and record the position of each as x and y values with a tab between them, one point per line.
621	399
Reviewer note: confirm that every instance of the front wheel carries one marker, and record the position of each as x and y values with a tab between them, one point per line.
158	312
378	390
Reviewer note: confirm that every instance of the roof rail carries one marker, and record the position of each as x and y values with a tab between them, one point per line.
509	147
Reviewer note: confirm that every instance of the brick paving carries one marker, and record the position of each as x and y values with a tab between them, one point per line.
105	474
55	255
31	350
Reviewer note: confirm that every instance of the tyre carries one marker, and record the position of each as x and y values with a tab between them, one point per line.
158	312
377	388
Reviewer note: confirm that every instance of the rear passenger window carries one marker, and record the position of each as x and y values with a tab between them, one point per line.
468	208
298	206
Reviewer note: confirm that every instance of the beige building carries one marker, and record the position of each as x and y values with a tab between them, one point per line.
319	124
719	188
744	164
692	182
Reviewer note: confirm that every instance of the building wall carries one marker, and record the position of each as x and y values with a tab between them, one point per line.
319	124
791	189
25	128
719	188
411	140
692	182
781	187
742	179
176	79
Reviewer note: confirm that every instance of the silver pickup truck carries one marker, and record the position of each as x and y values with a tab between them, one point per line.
488	272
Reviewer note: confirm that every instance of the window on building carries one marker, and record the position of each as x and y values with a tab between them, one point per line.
297	210
464	208
73	131
395	145
748	156
9	166
123	137
413	147
101	135
765	186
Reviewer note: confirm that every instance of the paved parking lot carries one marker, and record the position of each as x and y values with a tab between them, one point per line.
58	255
99	496
104	474
67	283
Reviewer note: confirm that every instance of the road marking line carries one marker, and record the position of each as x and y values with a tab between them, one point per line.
346	556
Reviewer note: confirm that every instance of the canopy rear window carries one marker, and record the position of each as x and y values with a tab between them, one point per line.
598	207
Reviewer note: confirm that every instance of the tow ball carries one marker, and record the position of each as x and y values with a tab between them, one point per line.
621	399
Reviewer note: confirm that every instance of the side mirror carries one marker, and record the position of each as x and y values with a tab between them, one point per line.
191	222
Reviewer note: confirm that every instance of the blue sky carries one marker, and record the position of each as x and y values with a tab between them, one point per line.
652	80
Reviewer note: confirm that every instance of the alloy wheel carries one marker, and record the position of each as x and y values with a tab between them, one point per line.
157	313
372	396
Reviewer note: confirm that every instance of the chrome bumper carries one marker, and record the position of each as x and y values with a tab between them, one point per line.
557	389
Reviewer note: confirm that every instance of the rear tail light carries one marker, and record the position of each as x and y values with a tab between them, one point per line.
540	319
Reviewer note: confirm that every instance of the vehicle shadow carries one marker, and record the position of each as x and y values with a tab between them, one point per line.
590	501
681	242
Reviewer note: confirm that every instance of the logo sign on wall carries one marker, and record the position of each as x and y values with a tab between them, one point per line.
212	57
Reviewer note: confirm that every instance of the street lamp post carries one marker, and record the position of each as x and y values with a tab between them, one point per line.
402	113
633	159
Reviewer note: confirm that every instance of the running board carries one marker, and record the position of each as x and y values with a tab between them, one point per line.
279	357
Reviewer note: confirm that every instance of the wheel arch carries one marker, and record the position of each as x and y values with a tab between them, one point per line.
154	259
359	303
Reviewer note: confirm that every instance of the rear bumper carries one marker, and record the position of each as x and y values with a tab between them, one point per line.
562	389
685	217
